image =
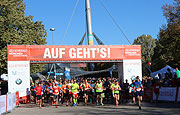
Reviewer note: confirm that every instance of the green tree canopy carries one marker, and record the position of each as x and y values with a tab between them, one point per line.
17	29
167	51
147	45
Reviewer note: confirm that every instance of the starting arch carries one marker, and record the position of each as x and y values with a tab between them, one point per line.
128	58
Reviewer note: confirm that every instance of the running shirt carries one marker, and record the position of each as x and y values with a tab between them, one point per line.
156	87
138	86
50	89
86	87
116	89
131	87
111	87
74	88
64	88
60	87
99	87
56	90
38	90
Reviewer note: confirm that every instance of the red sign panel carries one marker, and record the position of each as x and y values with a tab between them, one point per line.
74	53
18	52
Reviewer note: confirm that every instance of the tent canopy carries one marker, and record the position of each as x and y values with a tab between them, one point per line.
163	71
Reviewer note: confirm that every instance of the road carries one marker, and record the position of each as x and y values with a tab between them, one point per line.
148	108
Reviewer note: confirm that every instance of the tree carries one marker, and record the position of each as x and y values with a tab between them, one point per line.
147	45
17	29
167	51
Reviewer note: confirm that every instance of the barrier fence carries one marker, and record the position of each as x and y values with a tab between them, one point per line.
165	94
8	102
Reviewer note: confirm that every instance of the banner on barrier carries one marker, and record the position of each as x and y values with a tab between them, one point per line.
13	100
17	98
166	94
148	93
178	97
2	104
9	102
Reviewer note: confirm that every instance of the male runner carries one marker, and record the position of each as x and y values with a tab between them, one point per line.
86	88
139	90
39	94
75	88
132	91
56	90
99	90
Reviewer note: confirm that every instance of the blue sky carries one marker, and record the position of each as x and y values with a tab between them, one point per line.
135	17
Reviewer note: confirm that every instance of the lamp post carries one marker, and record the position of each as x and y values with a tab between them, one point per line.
52	29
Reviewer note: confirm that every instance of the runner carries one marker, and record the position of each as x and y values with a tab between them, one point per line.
50	90
39	94
65	88
56	90
156	87
99	90
132	91
116	89
139	90
43	92
86	88
60	92
75	88
112	89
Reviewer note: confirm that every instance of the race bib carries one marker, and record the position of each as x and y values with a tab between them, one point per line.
99	88
56	90
157	87
139	89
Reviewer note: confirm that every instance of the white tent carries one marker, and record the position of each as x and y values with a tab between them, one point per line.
163	71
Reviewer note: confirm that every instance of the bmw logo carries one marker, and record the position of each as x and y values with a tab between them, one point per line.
18	81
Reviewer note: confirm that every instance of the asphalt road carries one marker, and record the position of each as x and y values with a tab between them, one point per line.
148	108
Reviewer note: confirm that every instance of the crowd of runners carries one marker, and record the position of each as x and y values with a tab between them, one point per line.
87	91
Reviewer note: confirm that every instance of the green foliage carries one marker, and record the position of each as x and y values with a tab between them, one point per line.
17	29
168	46
147	45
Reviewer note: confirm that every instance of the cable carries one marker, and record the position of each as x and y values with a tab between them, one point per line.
114	21
61	41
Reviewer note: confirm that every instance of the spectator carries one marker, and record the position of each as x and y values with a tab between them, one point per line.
178	76
3	87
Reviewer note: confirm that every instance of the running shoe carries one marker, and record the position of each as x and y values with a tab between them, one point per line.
139	107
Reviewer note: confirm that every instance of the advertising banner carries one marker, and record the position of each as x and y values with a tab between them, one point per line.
84	53
132	68
178	95
13	100
2	104
18	52
17	98
18	77
166	94
9	102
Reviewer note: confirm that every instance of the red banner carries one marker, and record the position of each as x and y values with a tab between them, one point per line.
18	52
74	53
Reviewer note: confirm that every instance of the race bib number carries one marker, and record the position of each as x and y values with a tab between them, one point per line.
99	88
138	89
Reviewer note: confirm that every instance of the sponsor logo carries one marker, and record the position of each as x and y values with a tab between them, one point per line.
18	81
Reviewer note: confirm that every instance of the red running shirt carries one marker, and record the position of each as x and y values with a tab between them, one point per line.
38	90
56	90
